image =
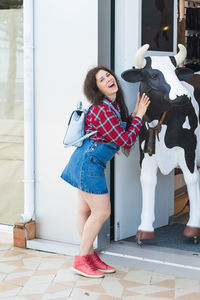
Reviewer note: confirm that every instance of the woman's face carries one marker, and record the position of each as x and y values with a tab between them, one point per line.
106	83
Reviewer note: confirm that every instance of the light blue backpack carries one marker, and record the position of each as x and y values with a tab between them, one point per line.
75	133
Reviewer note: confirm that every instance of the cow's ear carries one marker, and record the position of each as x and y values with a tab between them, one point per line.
184	73
132	75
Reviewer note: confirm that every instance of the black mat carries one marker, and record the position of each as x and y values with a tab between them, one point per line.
171	236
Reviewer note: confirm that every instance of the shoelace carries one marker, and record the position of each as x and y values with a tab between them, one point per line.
97	259
89	262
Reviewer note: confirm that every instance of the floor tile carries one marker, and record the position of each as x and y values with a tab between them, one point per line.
5	268
66	275
139	276
42	279
149	289
187	292
120	274
108	283
107	297
37	289
33	296
186	283
164	294
45	272
20	280
2	276
56	297
130	283
158	277
168	283
15	298
82	294
12	254
191	296
27	274
128	293
56	292
97	288
7	289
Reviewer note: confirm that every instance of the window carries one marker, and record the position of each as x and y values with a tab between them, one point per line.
11	111
157	24
7	4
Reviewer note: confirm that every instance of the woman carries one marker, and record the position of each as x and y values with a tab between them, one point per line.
108	115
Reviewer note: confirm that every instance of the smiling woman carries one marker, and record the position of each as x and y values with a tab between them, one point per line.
108	116
107	84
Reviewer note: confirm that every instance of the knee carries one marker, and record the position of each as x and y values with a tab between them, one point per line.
103	215
84	211
107	213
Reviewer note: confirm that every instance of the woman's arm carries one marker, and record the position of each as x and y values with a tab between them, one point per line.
109	127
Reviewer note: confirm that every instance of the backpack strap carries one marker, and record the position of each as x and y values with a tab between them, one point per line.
75	143
110	104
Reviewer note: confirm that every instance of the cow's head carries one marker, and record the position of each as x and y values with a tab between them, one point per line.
160	79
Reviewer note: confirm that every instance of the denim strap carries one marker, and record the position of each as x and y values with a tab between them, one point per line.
110	104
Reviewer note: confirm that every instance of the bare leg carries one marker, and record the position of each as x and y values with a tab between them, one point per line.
83	213
100	211
82	216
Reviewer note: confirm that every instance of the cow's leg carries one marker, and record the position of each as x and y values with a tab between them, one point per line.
148	180
192	181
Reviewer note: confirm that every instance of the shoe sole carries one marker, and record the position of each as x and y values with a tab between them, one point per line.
107	271
86	275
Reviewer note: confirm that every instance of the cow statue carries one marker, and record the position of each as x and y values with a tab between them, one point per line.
170	136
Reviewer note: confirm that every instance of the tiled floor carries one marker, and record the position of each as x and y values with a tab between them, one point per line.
28	274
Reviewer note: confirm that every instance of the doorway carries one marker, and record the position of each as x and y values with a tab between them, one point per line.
181	200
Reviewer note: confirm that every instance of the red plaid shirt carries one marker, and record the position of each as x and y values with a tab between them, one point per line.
105	120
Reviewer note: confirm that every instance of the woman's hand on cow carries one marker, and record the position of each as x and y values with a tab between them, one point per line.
143	104
137	105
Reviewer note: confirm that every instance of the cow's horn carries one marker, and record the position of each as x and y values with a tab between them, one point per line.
139	57
181	55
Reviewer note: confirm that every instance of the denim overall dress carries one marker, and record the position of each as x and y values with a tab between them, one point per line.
86	167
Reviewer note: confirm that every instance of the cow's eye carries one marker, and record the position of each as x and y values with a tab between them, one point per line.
154	76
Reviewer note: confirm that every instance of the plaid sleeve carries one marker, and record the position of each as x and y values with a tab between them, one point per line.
108	125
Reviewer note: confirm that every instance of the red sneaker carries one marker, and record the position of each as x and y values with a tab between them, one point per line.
83	265
100	265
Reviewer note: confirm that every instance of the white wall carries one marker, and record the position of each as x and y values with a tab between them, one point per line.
127	170
66	41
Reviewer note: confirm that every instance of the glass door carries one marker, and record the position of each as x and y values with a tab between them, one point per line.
11	111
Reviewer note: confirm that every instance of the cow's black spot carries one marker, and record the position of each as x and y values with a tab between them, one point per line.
176	135
195	82
173	60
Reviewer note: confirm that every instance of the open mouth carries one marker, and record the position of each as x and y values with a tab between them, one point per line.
112	85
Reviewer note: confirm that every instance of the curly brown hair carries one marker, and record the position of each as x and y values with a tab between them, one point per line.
95	96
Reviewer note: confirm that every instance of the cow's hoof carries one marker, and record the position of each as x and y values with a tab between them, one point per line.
192	231
145	235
